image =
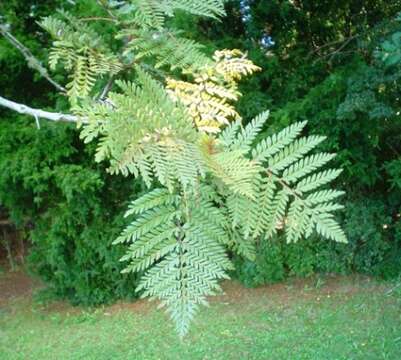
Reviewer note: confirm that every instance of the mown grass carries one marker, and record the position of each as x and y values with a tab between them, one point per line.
341	318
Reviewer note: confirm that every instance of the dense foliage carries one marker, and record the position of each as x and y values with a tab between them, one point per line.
212	187
335	65
69	207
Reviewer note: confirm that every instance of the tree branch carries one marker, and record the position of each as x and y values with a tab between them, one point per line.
38	113
33	62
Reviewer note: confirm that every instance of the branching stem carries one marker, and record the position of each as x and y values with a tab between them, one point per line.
33	62
38	113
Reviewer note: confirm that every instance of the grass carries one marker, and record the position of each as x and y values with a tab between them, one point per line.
337	318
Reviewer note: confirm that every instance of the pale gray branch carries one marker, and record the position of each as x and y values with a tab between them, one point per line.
38	113
33	62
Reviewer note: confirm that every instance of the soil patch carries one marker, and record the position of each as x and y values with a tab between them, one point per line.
16	284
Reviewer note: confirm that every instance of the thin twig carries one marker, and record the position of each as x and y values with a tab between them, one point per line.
33	62
342	46
98	18
331	54
107	88
335	42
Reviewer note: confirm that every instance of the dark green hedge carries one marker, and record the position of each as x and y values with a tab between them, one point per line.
71	209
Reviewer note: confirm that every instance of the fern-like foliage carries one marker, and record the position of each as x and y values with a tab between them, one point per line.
151	14
143	132
82	52
179	237
213	187
163	48
209	98
288	185
141	31
176	241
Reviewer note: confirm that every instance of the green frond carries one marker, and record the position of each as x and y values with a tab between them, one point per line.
147	222
152	13
184	279
229	134
317	180
296	221
327	207
164	48
145	170
323	196
238	208
154	198
245	247
148	13
329	228
247	135
277	212
273	144
177	239
280	187
55	27
82	52
293	152
209	249
208	8
142	256
235	171
213	192
211	219
262	211
145	133
306	165
160	165
176	160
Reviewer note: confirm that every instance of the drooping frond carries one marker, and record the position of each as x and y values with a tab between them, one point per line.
147	223
182	257
208	8
229	134
217	186
82	52
148	13
179	237
317	180
152	199
293	152
285	185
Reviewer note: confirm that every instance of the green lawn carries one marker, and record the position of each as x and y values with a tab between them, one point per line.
339	318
